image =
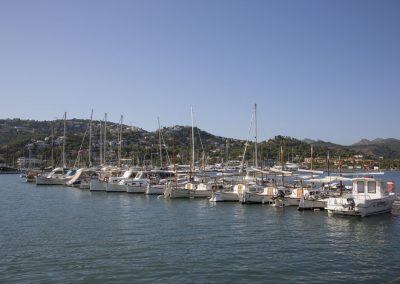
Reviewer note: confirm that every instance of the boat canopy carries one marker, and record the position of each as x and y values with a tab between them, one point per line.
328	179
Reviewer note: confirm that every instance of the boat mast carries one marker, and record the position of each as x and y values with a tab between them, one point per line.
312	152
120	141
327	158
159	141
90	139
255	126
246	144
105	137
64	140
283	167
101	143
52	145
30	156
191	112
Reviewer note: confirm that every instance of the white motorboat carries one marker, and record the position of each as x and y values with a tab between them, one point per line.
293	196
225	194
250	193
368	197
313	199
58	176
145	180
188	190
96	184
114	183
75	178
136	185
264	195
155	189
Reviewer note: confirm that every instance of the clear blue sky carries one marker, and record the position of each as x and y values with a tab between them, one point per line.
325	70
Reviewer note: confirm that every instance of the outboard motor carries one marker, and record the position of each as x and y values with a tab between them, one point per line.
351	203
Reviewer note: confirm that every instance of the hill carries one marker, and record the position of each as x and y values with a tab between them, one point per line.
19	137
386	148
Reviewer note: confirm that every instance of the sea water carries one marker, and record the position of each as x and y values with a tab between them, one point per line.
57	234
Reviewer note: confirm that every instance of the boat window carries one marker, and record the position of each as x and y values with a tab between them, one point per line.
371	187
360	187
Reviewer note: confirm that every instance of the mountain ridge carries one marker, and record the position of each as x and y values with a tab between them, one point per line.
19	132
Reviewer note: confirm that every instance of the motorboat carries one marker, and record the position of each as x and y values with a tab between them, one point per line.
114	182
58	176
369	196
226	193
313	199
188	190
253	193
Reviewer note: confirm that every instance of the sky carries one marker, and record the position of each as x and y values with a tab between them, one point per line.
326	70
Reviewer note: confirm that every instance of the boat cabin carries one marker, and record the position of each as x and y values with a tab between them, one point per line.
369	186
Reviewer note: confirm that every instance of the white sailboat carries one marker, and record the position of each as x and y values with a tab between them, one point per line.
190	189
58	176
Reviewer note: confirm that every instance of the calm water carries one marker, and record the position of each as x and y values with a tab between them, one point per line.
60	234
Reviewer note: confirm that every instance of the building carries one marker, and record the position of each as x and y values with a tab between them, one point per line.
29	163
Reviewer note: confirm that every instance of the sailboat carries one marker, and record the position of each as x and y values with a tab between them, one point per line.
189	189
58	176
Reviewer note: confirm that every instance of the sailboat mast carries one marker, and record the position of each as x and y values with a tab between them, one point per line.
105	138
65	138
120	141
159	141
101	143
327	158
283	166
255	126
52	145
90	139
246	143
312	152
191	112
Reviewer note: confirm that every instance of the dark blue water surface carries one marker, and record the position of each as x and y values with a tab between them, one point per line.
60	234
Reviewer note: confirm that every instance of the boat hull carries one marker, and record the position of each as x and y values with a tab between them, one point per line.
137	186
188	193
306	204
40	180
256	198
224	197
342	206
97	185
115	187
155	190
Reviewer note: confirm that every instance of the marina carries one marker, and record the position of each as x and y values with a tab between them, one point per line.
199	142
65	234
